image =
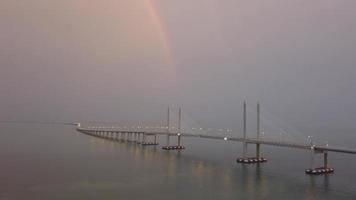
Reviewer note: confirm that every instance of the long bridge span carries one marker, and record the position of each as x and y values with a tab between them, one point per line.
149	137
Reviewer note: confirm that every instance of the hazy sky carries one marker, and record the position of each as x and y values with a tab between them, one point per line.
125	61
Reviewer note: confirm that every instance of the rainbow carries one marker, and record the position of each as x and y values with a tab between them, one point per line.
161	30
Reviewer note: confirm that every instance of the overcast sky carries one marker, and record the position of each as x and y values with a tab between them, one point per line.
125	61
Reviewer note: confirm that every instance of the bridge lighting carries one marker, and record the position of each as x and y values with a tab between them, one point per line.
201	129
178	134
225	138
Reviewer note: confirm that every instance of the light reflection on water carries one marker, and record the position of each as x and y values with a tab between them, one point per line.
55	162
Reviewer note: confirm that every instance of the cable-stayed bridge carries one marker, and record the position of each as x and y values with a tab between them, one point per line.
149	135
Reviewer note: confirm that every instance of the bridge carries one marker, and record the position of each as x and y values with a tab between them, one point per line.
139	136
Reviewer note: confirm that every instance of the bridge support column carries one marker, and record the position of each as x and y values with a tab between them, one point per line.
146	142
138	138
168	127
244	148
167	141
258	146
258	152
179	140
325	159
325	169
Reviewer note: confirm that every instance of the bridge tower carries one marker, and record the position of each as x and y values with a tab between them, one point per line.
245	158
179	133
168	127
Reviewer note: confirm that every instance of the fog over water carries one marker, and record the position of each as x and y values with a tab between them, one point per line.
120	62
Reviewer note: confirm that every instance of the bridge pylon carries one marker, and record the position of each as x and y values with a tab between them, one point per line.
246	159
179	133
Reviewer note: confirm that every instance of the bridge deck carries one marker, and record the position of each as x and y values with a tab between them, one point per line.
236	139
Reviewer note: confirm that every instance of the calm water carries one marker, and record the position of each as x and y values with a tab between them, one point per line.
56	162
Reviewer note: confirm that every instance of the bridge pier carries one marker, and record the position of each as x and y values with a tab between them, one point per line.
145	142
325	159
134	137
167	141
258	152
325	169
138	138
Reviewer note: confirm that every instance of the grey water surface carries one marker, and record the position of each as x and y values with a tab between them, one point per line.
57	162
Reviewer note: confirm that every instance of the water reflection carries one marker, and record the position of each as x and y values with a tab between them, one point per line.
312	190
243	181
